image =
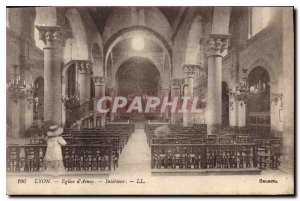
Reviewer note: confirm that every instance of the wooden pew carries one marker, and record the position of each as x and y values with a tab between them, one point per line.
29	158
203	156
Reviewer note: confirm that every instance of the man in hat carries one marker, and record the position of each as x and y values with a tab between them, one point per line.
53	158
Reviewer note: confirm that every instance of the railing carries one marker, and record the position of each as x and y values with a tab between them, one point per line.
82	111
28	158
87	158
85	109
203	156
25	158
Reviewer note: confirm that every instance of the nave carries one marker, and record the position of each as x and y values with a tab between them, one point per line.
135	159
122	83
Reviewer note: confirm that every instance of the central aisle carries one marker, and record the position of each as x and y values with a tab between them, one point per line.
135	158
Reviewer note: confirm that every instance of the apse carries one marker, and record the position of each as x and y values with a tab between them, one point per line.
138	76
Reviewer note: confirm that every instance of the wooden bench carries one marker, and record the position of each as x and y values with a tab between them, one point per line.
29	158
203	156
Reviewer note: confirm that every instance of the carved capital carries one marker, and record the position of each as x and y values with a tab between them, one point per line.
49	34
190	70
217	44
176	82
99	80
84	66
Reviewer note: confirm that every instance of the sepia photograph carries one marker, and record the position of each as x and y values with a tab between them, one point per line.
150	100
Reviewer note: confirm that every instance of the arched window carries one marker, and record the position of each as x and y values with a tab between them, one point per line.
259	18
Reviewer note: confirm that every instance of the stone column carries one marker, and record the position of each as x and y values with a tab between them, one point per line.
99	82
83	79
215	49
52	73
175	92
189	73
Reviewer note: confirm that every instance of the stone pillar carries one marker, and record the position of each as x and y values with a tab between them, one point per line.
216	48
83	80
99	82
189	73
52	73
175	92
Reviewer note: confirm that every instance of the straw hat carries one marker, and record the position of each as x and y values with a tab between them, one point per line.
54	131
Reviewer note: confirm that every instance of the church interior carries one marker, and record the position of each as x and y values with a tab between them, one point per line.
237	60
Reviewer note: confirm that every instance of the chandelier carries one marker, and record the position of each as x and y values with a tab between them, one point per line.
71	102
242	92
17	89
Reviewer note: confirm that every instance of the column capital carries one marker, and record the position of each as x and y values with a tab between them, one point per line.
84	66
49	34
99	80
176	82
189	70
217	44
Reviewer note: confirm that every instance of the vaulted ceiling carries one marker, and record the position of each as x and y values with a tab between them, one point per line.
101	14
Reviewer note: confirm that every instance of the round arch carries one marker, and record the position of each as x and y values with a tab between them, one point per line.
193	45
128	57
266	65
124	59
126	17
130	32
79	35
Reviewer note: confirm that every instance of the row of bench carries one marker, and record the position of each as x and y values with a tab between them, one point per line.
191	147
86	150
